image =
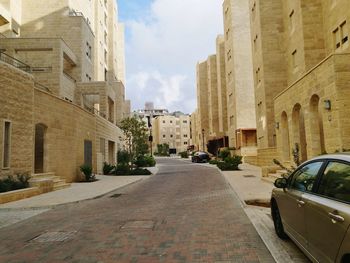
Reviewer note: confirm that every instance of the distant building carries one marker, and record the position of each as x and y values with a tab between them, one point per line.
172	130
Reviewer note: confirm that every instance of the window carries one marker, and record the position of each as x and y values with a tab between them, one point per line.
335	182
88	50
253	10
103	147
294	58
171	136
227	33
163	121
304	178
6	146
255	42
171	121
88	78
164	136
229	56
340	35
184	122
185	135
336	37
344	33
257	75
291	21
185	143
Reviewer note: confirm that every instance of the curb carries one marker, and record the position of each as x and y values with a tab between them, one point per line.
73	202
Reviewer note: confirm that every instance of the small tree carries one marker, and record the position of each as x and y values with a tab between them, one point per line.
135	132
163	149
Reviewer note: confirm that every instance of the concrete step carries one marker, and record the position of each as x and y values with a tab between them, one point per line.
60	185
43	175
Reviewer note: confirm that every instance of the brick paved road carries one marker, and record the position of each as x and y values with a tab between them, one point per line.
186	213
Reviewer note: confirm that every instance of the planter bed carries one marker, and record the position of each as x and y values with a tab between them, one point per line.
18	194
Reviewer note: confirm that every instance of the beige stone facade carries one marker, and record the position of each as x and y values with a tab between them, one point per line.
68	59
202	105
300	54
230	105
172	130
239	75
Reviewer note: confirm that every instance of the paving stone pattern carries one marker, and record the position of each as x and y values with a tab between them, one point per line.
186	213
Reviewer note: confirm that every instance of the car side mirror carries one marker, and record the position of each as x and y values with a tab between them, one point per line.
281	183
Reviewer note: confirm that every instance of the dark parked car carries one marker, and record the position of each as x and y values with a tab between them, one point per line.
312	207
200	157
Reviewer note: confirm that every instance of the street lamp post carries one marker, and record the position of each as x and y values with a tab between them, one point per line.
203	139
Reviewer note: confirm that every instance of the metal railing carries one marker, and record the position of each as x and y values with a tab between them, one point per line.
69	76
41	69
42	87
94	111
14	62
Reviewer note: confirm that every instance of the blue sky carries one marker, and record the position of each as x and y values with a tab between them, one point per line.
164	41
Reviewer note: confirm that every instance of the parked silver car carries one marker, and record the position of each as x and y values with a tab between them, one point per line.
312	207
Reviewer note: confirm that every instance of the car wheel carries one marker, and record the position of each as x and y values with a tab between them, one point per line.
277	221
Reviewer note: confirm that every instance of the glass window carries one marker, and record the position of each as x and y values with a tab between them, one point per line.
304	178
335	182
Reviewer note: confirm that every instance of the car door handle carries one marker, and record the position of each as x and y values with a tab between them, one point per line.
337	218
300	203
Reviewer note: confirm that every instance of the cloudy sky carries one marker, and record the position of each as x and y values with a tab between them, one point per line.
164	41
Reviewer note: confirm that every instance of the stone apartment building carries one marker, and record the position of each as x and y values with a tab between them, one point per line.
297	83
225	89
62	86
301	65
172	130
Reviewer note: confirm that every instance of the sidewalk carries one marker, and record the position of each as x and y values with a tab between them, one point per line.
248	186
75	193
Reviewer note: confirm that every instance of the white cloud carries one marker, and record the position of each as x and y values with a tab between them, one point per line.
163	48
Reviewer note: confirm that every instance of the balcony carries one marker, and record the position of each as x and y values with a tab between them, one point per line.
14	62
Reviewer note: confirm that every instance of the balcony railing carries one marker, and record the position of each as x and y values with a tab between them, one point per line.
69	76
42	87
14	62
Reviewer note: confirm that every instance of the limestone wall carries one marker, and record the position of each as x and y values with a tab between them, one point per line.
326	130
213	106
16	103
222	92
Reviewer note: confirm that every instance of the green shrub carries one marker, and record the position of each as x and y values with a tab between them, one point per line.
123	157
107	168
145	161
162	150
121	169
230	163
224	153
139	171
214	162
87	171
184	155
11	184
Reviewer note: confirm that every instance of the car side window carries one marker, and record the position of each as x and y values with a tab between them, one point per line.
335	182
304	178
